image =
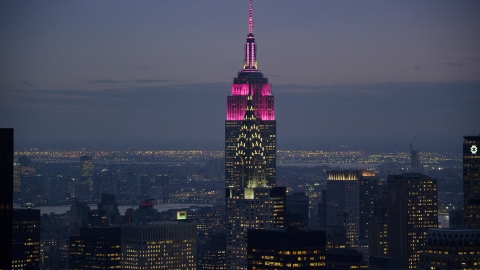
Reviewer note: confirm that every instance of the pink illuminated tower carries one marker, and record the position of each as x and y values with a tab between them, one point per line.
251	78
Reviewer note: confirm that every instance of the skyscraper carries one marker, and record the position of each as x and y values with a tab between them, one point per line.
84	189
26	239
471	181
250	153
411	202
250	79
6	195
343	206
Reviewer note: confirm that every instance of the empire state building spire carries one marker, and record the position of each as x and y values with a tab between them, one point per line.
250	63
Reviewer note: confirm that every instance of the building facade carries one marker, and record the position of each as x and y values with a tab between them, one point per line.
471	181
343	203
159	245
411	204
250	156
26	239
455	249
95	248
286	248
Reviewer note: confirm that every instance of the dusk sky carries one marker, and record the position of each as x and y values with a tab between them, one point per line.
342	72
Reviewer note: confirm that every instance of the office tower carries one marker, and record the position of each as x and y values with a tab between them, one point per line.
415	160
377	238
145	213
343	206
285	249
162	182
95	248
455	218
32	188
345	259
279	198
110	206
471	181
159	245
249	156
368	182
250	79
411	201
322	210
59	188
6	195
212	257
298	203
77	217
127	187
26	239
453	249
84	189
104	182
22	167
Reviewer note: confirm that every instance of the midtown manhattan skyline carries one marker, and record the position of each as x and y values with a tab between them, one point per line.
159	72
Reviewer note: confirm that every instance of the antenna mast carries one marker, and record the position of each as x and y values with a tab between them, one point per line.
250	19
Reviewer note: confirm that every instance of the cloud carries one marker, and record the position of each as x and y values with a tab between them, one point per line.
27	83
417	67
455	63
106	81
187	112
149	81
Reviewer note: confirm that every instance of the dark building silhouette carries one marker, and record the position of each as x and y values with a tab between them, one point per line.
285	249
126	187
455	218
345	259
26	239
110	206
6	195
213	256
95	248
298	209
471	181
322	210
163	184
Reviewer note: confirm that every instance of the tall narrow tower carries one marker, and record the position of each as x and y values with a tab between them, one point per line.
249	156
250	78
471	181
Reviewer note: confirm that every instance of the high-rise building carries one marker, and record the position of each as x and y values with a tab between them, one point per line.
411	202
250	81
250	156
286	248
368	182
471	181
159	245
84	189
26	239
343	203
297	203
454	249
95	248
6	195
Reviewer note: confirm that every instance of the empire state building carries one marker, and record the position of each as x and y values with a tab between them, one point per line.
250	156
250	79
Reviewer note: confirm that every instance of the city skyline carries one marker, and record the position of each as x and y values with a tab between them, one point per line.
342	74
